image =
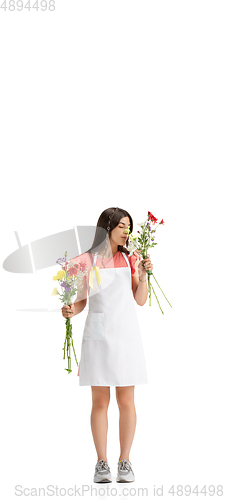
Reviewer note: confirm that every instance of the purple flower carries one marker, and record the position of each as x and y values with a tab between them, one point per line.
66	286
61	261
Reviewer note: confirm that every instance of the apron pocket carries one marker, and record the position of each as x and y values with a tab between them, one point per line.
94	326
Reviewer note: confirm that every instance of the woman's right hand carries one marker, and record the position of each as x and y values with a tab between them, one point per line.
68	311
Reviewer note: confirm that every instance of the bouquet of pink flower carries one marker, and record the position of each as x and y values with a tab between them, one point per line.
141	242
70	277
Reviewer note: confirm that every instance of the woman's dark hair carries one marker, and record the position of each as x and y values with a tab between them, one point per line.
101	229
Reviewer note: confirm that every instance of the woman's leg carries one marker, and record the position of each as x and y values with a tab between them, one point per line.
99	419
128	418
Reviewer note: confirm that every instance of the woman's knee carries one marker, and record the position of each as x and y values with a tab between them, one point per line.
100	397
125	397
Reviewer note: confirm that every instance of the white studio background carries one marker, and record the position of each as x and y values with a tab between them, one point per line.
114	103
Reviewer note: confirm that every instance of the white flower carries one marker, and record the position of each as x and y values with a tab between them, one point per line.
140	224
131	247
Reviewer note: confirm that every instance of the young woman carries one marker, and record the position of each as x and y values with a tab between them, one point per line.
112	351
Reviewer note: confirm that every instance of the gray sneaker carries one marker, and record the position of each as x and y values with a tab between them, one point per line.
102	472
124	472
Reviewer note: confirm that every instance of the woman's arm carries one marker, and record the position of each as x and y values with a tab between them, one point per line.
139	281
79	306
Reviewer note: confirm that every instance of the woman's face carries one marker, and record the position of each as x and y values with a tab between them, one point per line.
118	236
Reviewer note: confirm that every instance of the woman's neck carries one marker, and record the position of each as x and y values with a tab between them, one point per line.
109	254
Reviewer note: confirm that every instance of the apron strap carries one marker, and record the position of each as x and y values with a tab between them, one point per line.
128	263
95	258
125	257
96	271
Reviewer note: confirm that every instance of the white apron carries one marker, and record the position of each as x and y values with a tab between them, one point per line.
112	352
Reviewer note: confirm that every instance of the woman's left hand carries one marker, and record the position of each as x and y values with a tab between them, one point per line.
148	266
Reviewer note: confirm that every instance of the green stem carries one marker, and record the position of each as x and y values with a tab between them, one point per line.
74	350
64	348
161	289
157	299
149	288
68	342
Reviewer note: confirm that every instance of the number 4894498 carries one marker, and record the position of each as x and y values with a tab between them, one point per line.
20	5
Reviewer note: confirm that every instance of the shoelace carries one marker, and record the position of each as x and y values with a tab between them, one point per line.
125	465
102	465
